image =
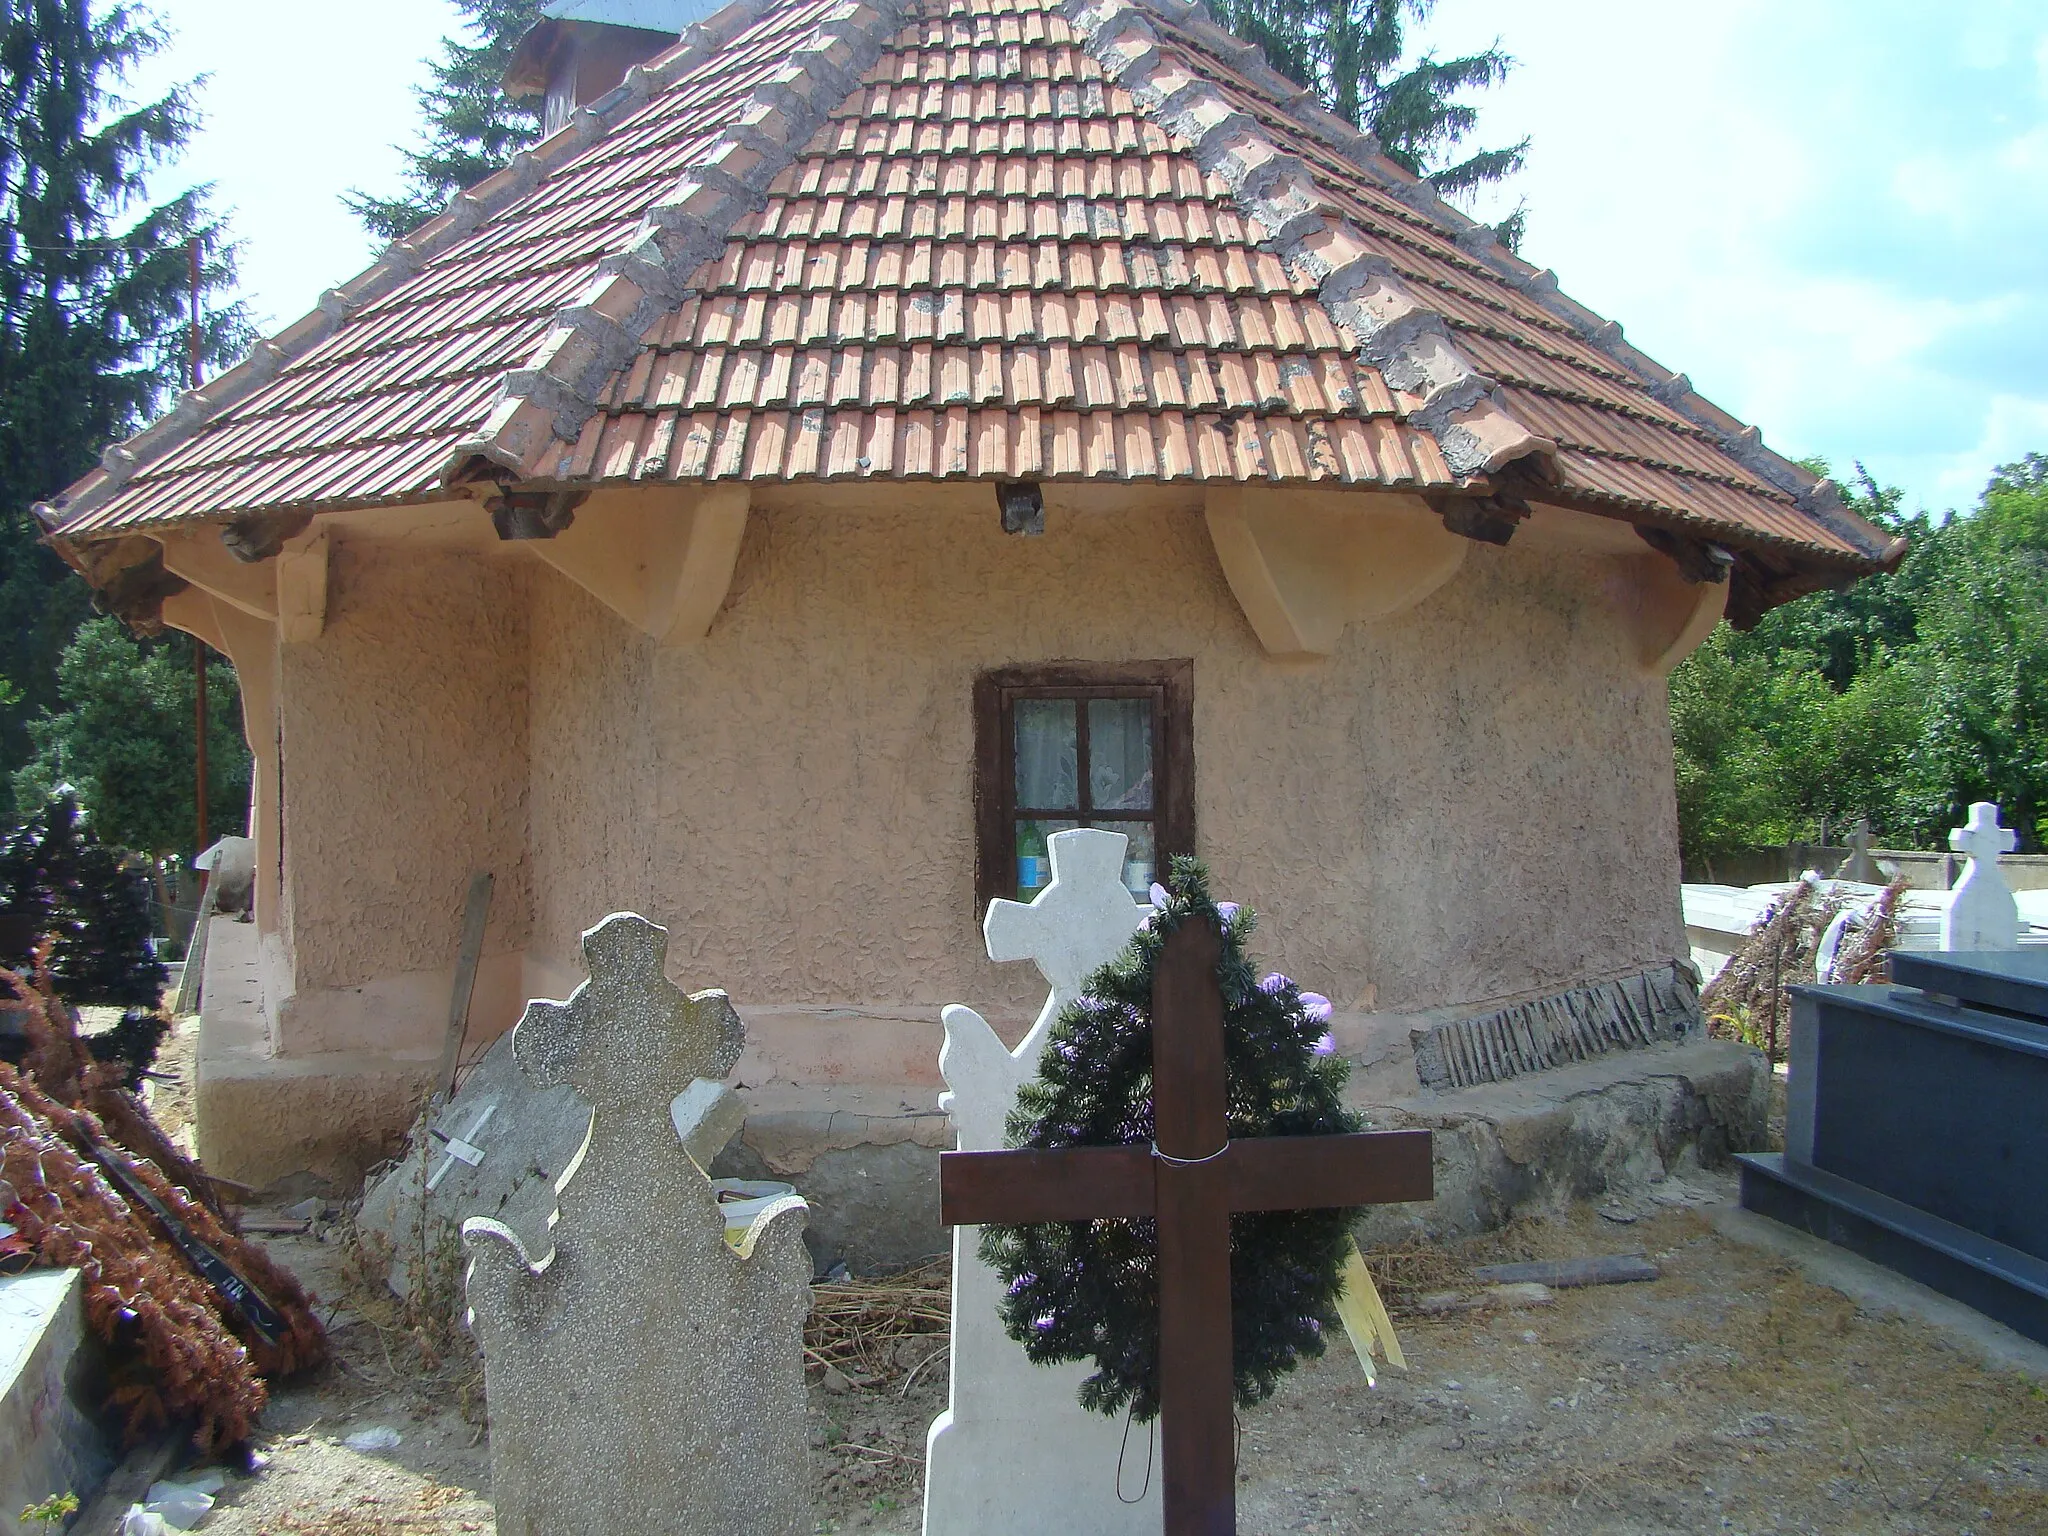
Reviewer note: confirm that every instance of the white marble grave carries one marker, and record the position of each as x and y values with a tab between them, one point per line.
644	1377
1015	1454
1981	912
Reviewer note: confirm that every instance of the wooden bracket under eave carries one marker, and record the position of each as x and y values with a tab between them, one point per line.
660	556
1305	564
197	554
288	589
302	586
1668	614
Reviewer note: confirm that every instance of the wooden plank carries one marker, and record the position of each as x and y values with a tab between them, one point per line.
192	976
1191	1123
1560	1274
474	916
1190	1120
1020	1187
1309	1173
129	1482
1197	1369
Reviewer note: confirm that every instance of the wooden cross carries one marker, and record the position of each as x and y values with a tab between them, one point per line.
1189	1181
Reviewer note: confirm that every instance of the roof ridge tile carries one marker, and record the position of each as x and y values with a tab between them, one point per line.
588	341
1400	334
1817	496
401	259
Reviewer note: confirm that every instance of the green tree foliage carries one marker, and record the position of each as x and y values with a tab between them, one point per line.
93	296
58	877
472	128
59	881
122	740
1902	699
1354	55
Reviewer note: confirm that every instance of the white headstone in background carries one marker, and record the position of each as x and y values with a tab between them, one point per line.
644	1378
1015	1454
1981	911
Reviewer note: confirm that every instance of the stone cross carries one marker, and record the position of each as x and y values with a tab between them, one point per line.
1015	1454
643	1377
1189	1181
1981	912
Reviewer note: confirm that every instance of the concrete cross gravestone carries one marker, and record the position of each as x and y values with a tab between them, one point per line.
644	1378
1015	1454
1981	912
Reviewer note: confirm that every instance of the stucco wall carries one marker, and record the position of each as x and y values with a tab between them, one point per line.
1468	801
593	767
405	762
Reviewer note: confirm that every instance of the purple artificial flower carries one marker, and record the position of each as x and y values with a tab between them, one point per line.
1227	910
1160	895
1316	1006
1327	1046
1275	984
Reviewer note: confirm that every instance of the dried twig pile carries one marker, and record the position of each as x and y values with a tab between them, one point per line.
873	1331
1751	999
182	1349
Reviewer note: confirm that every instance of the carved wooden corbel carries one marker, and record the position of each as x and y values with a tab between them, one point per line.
1305	564
660	557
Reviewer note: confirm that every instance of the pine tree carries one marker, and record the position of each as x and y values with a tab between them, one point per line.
472	127
58	880
1350	53
94	288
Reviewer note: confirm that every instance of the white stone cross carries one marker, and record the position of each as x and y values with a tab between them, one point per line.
643	1377
1981	912
1015	1454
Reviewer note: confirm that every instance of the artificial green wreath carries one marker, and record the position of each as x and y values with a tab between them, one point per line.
1089	1290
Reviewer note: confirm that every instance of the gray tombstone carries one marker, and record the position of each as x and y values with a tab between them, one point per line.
644	1377
497	1148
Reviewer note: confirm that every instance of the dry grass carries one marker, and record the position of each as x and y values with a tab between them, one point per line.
420	1338
873	1331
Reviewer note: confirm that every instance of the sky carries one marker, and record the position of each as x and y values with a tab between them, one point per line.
1831	214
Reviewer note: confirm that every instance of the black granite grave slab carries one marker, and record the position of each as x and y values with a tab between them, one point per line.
2011	981
1917	1128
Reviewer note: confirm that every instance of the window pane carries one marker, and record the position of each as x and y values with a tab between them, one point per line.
1120	754
1034	865
1140	858
1047	772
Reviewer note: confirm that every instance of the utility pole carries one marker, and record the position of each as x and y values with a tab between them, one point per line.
198	645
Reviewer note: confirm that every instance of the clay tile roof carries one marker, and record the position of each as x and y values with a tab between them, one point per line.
966	239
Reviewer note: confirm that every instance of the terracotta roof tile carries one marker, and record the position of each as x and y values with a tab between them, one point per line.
989	260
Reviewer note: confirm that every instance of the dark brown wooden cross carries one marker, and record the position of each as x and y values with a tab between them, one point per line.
1189	1182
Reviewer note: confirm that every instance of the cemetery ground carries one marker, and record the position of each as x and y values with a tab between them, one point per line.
1732	1393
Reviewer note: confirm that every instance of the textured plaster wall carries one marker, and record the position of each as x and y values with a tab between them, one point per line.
1469	801
593	772
405	751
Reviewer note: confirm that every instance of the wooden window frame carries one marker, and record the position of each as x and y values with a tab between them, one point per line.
1172	685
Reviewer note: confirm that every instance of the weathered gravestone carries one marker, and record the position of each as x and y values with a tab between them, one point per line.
1981	912
497	1148
1015	1454
643	1375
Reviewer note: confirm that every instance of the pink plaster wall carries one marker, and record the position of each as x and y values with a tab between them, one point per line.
1468	801
405	763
